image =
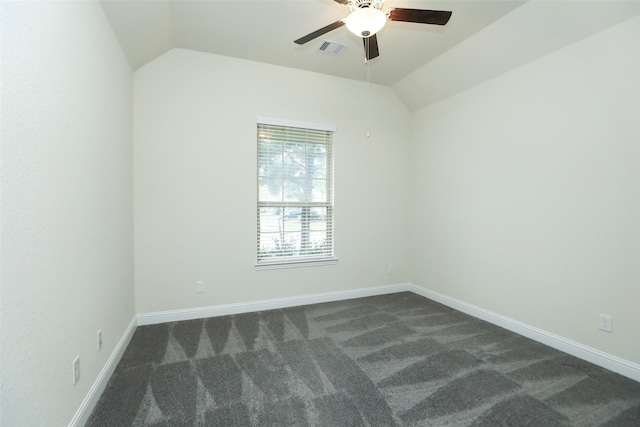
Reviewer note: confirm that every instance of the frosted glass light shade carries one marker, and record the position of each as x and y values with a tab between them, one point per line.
366	22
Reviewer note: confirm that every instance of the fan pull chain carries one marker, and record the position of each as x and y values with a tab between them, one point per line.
366	64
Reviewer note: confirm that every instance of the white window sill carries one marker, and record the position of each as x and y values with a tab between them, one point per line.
275	265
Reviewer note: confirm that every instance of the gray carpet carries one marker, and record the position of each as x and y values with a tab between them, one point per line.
391	360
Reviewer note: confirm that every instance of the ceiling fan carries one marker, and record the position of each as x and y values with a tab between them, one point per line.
367	18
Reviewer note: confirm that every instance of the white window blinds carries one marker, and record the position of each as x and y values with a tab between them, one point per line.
295	193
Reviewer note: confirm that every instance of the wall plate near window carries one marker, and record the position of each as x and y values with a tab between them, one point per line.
295	194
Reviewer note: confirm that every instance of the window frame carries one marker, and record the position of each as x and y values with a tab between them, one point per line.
305	260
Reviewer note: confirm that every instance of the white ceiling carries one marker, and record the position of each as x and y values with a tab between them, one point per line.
264	31
507	33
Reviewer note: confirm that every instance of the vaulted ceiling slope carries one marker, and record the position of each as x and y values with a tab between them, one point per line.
421	63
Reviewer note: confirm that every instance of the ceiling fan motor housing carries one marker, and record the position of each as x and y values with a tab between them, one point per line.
361	4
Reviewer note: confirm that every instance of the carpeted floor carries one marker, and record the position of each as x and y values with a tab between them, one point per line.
397	359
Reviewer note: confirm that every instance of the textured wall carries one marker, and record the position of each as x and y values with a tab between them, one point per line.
528	202
195	180
67	242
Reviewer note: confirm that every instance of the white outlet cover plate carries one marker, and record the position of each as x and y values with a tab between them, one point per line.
605	323
76	369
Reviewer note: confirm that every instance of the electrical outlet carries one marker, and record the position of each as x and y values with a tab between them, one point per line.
390	269
99	338
76	369
605	322
200	286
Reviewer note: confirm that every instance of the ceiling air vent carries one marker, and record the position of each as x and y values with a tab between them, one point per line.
332	48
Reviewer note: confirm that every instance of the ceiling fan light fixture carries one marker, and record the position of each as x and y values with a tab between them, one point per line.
366	21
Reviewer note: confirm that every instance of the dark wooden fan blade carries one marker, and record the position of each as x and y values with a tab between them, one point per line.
420	16
371	47
318	33
342	1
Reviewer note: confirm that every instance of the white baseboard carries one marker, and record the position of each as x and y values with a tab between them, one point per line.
91	399
247	307
597	357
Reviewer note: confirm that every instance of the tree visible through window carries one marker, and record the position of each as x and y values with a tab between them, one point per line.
295	193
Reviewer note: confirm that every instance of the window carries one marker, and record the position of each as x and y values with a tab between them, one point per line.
295	194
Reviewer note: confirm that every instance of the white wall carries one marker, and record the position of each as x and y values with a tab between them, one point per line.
527	200
195	180
67	240
526	194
